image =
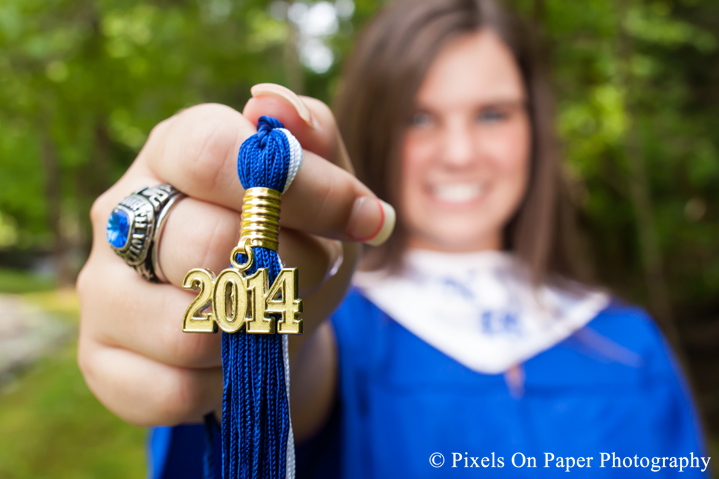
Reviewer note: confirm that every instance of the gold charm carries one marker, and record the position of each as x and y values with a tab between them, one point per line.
247	302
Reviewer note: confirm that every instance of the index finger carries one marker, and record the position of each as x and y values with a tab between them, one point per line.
196	152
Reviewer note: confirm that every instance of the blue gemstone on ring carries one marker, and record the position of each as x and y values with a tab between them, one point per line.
118	228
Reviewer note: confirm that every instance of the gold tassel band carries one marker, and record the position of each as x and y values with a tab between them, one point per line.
261	218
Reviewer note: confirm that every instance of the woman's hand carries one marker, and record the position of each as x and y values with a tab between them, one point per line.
132	350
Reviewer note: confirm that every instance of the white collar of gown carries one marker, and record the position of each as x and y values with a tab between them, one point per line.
479	308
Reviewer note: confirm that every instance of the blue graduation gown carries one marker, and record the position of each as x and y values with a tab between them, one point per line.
401	401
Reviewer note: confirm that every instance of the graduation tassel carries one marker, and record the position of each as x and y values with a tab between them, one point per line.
255	304
256	401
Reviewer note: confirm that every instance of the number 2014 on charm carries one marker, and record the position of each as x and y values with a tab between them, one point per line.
243	302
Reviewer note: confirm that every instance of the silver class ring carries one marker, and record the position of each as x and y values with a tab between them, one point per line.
135	228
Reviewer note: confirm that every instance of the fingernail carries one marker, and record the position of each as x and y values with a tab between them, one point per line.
264	89
372	221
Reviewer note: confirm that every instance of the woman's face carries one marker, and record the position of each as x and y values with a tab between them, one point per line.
466	151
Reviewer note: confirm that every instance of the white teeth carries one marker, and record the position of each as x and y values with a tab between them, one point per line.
458	192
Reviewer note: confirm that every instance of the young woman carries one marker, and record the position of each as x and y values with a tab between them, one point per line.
466	341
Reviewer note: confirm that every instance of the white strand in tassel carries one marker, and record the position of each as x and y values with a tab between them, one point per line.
290	470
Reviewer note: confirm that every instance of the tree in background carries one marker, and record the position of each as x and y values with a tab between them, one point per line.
83	82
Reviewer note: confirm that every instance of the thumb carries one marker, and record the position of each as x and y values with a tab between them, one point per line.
309	120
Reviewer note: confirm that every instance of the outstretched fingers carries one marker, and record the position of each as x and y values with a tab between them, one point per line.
196	151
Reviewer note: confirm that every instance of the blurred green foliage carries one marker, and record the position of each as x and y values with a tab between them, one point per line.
51	426
82	83
20	281
638	83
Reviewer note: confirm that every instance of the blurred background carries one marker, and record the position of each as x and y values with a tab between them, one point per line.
82	82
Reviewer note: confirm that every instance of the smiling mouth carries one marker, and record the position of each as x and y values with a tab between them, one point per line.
458	192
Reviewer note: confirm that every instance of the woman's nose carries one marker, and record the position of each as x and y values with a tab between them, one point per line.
459	148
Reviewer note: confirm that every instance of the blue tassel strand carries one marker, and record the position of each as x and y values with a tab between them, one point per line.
255	407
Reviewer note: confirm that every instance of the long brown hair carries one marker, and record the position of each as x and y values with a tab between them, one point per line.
377	94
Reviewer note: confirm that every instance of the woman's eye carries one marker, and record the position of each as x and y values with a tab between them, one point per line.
422	119
491	116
